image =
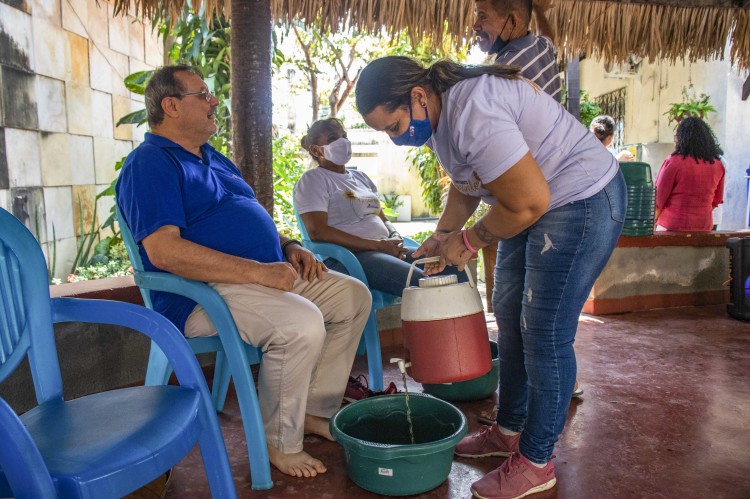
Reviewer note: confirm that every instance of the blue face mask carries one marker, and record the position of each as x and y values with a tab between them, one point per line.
417	134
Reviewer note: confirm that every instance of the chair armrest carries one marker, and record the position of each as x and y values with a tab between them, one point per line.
20	460
152	324
343	255
410	243
197	291
206	297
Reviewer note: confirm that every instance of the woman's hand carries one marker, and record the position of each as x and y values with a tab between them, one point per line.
393	247
625	155
448	246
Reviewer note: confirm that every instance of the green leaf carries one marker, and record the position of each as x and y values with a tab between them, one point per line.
135	118
136	82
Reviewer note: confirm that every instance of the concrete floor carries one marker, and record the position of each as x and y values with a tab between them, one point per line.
665	414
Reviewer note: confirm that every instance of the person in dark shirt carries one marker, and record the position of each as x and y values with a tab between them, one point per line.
193	215
502	28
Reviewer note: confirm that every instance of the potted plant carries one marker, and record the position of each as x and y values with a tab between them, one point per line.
691	106
390	204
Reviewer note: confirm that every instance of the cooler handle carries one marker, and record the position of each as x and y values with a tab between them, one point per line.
432	259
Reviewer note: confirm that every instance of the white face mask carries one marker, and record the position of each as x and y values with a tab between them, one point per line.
338	152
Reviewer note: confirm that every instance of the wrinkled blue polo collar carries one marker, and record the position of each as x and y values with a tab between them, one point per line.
157	140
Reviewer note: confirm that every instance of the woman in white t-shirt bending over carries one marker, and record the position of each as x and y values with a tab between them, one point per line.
342	206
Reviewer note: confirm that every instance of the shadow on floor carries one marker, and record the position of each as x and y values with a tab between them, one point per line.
664	415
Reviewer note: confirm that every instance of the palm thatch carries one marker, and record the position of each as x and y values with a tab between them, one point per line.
612	31
608	29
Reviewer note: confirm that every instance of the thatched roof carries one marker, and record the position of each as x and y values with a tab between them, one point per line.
654	30
612	30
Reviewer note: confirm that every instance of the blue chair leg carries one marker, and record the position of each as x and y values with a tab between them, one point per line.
215	459
158	370
252	421
221	381
371	337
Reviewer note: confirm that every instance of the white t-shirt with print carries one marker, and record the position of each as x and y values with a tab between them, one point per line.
349	198
487	124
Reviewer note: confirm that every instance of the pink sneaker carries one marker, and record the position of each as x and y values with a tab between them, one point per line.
515	478
489	441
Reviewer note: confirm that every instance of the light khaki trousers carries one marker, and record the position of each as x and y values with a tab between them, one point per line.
308	336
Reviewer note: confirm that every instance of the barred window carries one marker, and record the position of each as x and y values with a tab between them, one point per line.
613	104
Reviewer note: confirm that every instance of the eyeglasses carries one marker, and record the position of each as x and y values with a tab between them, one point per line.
203	93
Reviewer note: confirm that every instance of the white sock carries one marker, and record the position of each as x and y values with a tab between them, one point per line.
506	431
537	465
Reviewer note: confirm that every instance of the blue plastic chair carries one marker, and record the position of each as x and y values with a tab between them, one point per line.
370	342
233	355
20	460
111	443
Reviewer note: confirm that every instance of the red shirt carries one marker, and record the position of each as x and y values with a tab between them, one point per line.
687	190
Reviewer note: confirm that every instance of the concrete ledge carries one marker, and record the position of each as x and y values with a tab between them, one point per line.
667	238
112	288
604	306
668	269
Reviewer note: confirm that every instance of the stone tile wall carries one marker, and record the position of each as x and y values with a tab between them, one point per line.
62	65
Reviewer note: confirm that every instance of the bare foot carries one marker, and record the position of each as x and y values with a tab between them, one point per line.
300	464
318	426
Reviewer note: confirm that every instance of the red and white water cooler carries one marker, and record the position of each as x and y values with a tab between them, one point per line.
445	333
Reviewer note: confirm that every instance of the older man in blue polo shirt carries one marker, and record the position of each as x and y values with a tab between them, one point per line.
502	28
193	215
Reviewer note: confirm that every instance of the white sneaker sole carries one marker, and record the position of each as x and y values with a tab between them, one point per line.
497	453
533	490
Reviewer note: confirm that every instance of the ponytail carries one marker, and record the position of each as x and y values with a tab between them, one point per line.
388	81
443	74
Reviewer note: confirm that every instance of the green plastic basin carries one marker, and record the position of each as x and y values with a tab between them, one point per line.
473	389
379	454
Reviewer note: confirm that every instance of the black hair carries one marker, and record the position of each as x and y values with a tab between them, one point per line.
695	138
388	81
603	127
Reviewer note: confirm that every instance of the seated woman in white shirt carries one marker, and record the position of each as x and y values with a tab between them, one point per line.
341	206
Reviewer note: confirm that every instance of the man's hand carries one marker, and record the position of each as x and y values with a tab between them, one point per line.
279	275
304	262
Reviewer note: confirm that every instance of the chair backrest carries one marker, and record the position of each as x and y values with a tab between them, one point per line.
127	238
25	309
20	459
408	242
300	223
133	252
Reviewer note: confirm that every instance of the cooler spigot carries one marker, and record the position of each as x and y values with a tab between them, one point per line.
401	364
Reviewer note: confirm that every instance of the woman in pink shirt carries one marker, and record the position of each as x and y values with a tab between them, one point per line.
690	183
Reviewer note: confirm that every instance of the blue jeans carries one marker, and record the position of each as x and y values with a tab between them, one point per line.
388	273
543	277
